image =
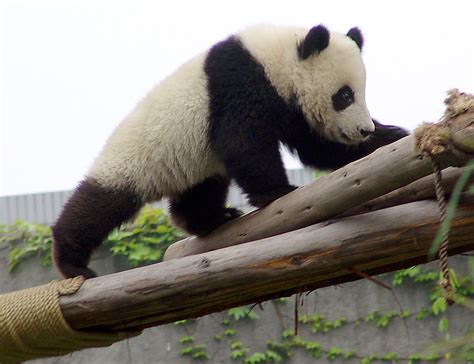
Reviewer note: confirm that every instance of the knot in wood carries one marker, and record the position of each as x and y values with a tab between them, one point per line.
204	263
296	260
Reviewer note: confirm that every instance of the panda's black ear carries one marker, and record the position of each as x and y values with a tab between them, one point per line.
356	35
315	41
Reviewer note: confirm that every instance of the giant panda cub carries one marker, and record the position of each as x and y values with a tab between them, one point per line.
221	117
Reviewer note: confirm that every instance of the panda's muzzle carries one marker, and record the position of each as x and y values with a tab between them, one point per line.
366	132
363	135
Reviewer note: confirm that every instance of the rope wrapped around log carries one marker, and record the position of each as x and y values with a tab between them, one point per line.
32	324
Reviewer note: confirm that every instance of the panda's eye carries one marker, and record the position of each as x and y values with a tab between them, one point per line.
346	95
343	98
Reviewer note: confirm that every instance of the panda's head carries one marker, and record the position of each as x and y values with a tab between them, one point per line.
329	84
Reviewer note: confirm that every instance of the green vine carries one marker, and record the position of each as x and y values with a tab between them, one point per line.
142	241
24	240
146	239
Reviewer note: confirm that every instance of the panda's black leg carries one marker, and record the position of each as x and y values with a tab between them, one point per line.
91	213
255	163
201	209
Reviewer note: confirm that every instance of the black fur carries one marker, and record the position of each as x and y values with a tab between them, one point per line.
315	41
313	150
248	119
86	220
343	98
201	208
356	35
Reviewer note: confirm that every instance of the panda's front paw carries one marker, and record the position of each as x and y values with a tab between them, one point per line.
394	133
390	133
263	199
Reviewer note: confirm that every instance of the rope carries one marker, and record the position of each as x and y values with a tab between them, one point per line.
445	282
432	140
32	325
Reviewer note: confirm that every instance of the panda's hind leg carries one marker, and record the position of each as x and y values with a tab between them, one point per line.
201	208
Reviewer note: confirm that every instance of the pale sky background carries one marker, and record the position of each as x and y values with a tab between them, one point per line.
72	70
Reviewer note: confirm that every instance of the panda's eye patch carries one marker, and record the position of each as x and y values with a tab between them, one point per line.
343	98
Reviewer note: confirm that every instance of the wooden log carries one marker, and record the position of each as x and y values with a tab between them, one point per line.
309	258
387	169
423	189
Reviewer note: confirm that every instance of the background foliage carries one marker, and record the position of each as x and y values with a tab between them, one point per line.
142	241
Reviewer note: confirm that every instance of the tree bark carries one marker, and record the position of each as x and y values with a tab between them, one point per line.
423	189
312	257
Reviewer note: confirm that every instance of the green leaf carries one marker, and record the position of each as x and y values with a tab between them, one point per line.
368	359
200	355
237	354
390	357
186	339
414	358
439	305
385	319
371	316
404	314
235	344
240	313
422	314
348	354
313	347
333	353
229	332
273	356
225	322
186	351
443	325
256	358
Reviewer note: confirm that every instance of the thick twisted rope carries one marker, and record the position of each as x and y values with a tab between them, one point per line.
445	282
32	325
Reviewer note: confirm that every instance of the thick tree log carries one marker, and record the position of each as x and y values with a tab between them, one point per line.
387	169
309	258
423	189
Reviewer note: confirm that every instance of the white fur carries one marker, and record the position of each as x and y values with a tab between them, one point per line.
313	81
162	147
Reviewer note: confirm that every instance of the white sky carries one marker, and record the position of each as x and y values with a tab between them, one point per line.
71	70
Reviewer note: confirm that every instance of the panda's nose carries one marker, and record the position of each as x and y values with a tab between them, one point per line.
365	132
